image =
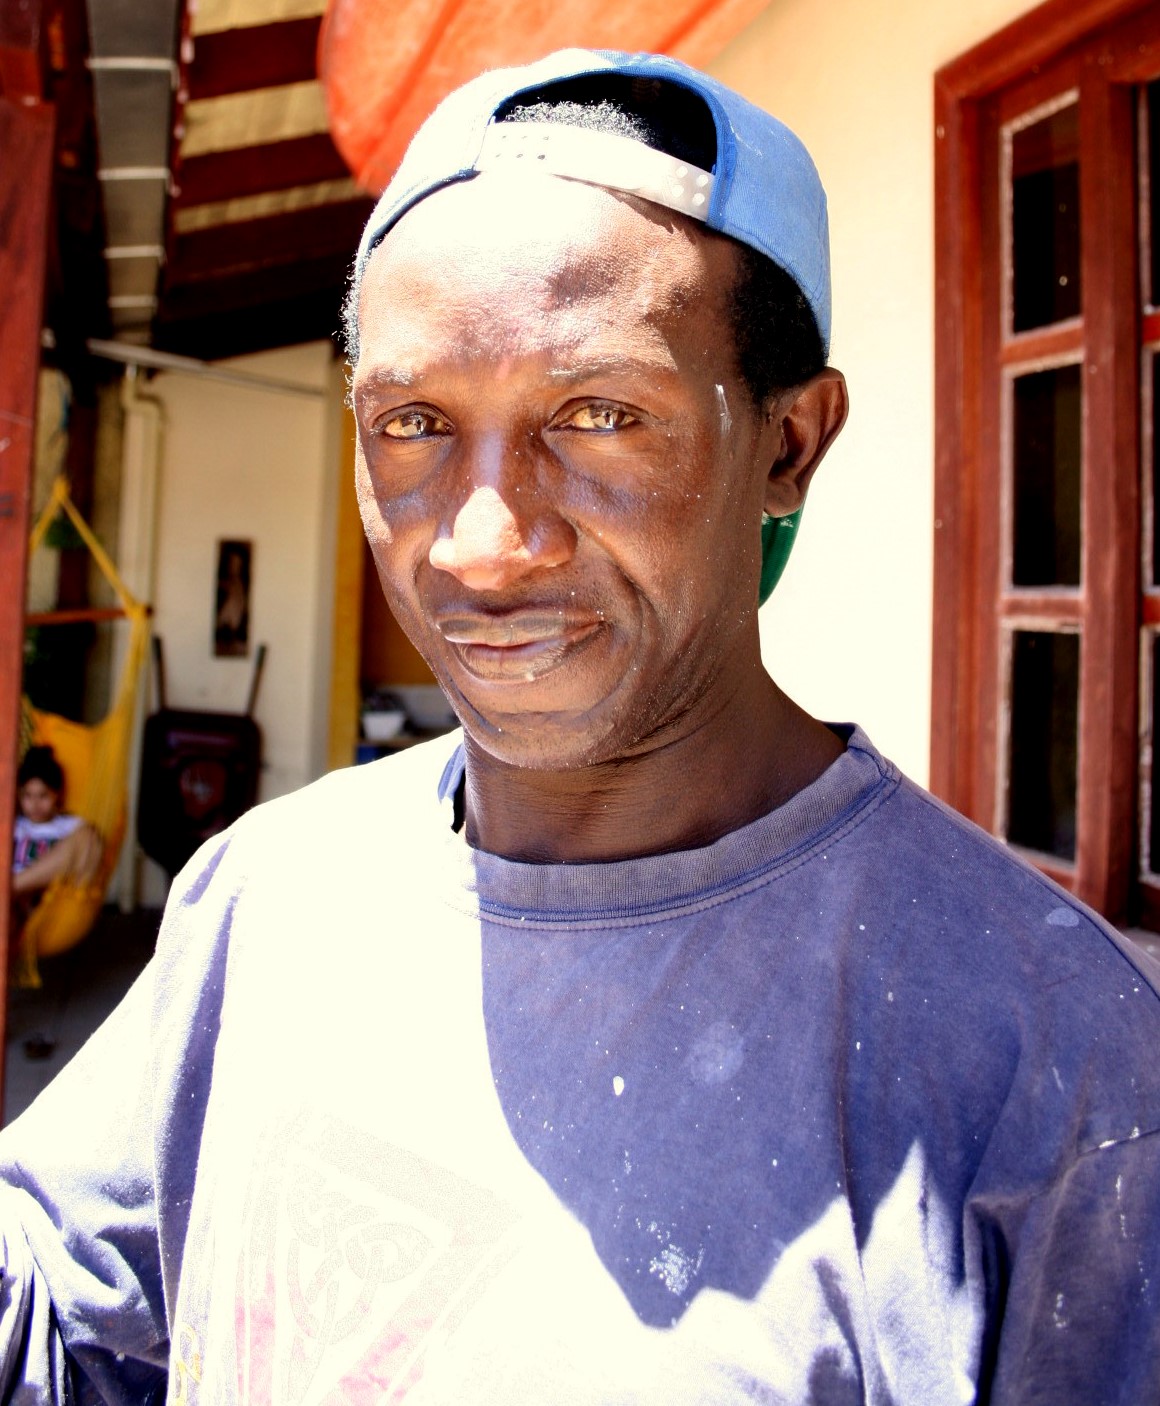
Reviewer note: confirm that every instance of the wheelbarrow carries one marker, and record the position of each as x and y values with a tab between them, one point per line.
199	772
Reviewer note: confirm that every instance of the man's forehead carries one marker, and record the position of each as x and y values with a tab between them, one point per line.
561	243
749	177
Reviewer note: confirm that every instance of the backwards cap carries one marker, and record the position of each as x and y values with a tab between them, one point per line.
762	188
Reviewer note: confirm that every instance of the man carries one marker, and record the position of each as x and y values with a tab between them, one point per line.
659	1043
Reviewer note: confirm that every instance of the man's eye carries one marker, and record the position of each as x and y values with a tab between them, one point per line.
599	417
413	424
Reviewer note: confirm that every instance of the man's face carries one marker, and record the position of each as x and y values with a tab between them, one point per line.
559	470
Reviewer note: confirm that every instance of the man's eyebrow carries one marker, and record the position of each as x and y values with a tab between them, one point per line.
376	376
601	365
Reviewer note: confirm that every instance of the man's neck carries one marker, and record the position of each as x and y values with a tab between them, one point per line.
687	791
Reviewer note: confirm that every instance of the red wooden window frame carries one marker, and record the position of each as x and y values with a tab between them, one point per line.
1102	48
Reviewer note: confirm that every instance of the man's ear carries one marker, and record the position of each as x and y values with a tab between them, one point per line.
809	417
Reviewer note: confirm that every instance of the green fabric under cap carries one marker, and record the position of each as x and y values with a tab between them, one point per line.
777	539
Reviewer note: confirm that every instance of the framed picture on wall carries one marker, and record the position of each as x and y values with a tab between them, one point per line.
231	621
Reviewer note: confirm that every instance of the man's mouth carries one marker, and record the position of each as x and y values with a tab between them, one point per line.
518	644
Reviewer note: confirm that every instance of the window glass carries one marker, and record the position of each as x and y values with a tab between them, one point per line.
1042	762
1046	449
1045	257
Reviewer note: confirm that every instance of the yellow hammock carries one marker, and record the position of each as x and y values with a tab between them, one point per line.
95	762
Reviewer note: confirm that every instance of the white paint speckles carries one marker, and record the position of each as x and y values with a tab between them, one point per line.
857	1044
1058	1317
1062	918
861	927
773	1162
890	997
617	1085
675	1267
716	1054
1058	1080
1120	1202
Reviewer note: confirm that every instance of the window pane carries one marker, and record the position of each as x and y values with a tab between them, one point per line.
1046	450
1042	761
1045	220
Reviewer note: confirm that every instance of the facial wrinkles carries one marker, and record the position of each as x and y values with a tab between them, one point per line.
520	285
499	320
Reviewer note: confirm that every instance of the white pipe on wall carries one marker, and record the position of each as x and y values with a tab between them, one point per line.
129	354
137	559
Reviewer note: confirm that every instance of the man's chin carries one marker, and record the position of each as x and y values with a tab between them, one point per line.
548	741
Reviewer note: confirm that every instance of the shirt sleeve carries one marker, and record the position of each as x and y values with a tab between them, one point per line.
96	1177
1080	1320
82	1315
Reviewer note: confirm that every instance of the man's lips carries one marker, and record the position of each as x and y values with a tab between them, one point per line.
520	644
513	629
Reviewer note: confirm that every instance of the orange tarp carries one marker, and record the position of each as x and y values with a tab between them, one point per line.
385	64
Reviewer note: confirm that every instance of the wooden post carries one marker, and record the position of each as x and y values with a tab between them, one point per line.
26	142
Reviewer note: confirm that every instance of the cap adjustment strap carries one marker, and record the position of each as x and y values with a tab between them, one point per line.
598	158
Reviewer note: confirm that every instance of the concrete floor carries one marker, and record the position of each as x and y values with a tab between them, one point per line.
81	987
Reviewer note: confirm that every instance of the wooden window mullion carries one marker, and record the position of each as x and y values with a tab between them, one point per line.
1111	565
955	709
989	664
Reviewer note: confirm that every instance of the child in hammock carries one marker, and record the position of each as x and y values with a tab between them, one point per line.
48	843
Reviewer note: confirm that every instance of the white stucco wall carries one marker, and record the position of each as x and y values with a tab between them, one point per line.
239	462
847	632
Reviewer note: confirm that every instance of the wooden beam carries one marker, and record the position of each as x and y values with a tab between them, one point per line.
90	615
954	719
280	283
258	56
76	296
1106	809
294	236
26	147
22	43
1036	38
251	170
310	319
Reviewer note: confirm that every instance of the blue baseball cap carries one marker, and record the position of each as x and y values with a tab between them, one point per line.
760	188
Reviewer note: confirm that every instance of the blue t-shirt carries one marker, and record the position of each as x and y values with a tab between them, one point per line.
849	1106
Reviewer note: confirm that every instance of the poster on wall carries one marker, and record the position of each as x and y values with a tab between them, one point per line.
231	625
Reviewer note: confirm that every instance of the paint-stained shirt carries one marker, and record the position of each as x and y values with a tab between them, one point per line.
849	1106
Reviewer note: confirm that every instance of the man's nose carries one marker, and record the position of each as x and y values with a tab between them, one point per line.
490	546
